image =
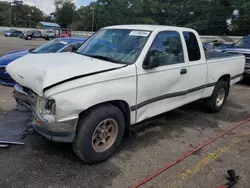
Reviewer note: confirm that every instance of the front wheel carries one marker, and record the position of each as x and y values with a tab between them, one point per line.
99	134
218	98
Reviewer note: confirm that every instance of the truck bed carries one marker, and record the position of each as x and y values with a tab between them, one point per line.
219	55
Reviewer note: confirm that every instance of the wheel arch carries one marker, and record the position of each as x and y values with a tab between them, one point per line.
226	78
122	105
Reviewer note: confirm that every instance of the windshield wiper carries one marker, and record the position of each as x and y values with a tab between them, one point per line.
103	58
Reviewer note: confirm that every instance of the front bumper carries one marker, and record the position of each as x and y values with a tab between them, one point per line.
62	131
58	130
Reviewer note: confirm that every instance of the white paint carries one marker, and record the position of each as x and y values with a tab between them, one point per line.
38	71
131	84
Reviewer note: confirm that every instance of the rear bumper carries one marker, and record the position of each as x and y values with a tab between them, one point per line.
6	82
58	130
5	79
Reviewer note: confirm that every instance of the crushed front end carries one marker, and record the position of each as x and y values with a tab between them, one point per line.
45	121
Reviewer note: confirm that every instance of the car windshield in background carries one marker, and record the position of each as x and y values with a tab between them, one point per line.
116	45
30	32
224	46
10	31
244	42
50	47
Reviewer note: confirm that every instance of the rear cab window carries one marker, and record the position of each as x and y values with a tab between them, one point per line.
194	53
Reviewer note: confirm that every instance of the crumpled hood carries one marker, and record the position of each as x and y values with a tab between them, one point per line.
8	58
39	71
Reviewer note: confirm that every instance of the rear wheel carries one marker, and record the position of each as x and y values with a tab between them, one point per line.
218	98
99	134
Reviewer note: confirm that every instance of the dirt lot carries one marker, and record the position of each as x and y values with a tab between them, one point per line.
45	164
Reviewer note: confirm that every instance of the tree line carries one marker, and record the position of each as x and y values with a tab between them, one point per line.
208	17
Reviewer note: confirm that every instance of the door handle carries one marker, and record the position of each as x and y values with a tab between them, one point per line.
183	71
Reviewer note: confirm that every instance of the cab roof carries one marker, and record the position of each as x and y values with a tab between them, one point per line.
149	27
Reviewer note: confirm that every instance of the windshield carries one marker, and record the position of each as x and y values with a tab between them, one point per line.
115	45
30	32
50	47
244	42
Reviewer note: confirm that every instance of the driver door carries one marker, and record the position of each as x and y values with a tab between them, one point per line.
37	34
163	88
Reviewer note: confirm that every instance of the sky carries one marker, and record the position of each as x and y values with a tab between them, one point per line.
47	6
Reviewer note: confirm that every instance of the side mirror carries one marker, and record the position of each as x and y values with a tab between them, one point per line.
151	62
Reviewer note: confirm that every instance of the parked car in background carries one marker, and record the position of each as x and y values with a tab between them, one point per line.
223	47
208	46
13	33
32	34
242	47
55	46
49	35
61	32
121	76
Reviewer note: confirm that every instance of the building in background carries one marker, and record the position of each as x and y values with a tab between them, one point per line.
47	25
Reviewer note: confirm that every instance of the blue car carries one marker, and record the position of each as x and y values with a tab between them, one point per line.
67	44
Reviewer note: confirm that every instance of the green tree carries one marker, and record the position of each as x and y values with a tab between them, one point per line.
65	12
5	14
241	24
19	15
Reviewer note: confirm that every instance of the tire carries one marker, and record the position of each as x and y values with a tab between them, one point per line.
88	125
214	104
29	38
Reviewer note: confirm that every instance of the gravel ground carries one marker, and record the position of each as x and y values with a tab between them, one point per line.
45	164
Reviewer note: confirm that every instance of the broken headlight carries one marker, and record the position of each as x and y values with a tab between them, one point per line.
50	107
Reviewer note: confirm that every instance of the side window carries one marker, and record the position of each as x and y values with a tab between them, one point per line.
68	48
167	48
37	33
72	47
78	45
193	48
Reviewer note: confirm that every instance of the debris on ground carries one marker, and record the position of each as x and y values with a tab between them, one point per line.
29	130
233	179
6	144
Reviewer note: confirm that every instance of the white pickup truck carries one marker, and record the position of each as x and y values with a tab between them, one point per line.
121	76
